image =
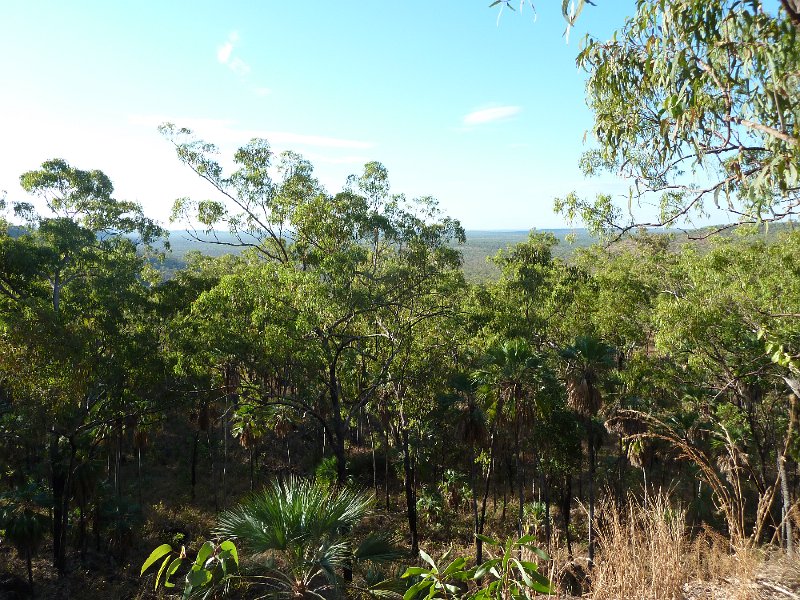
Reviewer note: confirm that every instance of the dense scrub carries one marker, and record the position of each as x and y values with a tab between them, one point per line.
348	347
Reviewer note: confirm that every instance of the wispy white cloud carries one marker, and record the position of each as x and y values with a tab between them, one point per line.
488	115
226	57
238	66
224	52
263	91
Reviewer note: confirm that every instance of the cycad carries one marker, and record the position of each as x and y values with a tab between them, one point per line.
300	532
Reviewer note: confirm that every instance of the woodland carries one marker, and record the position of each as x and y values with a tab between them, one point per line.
333	409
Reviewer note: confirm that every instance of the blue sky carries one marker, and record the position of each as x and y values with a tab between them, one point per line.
487	116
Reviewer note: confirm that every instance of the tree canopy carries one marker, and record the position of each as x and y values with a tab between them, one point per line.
696	104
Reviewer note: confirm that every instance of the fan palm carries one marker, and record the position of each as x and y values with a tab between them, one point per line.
587	359
511	377
300	530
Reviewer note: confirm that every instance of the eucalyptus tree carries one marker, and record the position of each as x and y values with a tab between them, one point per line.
351	261
713	324
71	290
696	103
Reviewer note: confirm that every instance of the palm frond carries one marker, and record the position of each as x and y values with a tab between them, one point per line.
378	547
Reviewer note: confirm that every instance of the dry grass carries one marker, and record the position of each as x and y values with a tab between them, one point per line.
645	552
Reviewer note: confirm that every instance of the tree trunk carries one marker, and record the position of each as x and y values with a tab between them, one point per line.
339	432
374	462
252	478
520	484
386	470
58	481
786	518
484	501
473	484
411	496
194	462
592	460
566	506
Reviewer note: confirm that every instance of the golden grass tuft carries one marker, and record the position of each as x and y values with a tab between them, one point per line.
643	551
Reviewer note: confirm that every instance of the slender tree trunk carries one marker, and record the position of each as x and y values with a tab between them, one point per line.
29	564
339	432
566	506
592	460
225	454
786	506
139	473
474	486
520	483
548	529
252	472
58	481
386	470
484	502
374	462
194	462
411	497
214	484
118	463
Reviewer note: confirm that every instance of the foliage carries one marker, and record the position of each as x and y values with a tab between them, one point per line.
696	102
299	532
211	572
502	576
23	522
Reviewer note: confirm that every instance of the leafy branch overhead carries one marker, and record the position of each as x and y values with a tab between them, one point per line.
696	103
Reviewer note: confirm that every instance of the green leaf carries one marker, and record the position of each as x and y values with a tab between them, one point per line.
487	539
539	552
412	571
198	576
523	572
525	539
541	583
229	546
454	566
416	588
154	556
484	568
428	559
202	555
160	571
173	566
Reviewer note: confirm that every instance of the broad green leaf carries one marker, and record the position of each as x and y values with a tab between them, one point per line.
160	571
229	546
454	566
488	540
173	566
205	551
198	576
428	559
154	556
416	588
523	572
484	568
